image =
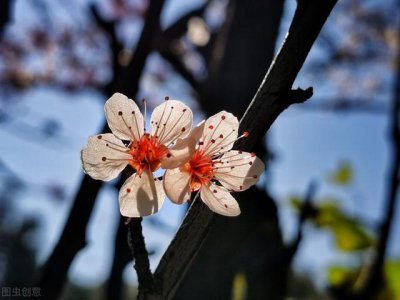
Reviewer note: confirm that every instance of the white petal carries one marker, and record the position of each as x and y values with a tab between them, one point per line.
219	200
197	131
124	117
220	132
104	157
179	154
170	121
237	170
141	195
176	185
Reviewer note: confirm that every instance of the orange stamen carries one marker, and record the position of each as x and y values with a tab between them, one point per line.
147	154
200	168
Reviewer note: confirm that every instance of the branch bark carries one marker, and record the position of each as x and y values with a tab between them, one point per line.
269	101
140	256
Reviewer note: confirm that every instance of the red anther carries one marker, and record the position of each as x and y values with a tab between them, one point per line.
166	98
246	134
143	100
223	117
252	154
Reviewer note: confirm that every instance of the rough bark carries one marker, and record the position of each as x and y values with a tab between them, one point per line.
247	42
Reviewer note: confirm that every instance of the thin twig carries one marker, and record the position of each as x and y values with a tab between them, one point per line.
140	256
307	210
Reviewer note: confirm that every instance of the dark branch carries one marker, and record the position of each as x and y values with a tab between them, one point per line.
176	62
375	278
140	256
267	104
177	29
128	78
306	212
299	95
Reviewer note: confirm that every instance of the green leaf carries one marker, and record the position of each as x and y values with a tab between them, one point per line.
350	235
392	276
328	213
343	175
296	203
239	287
340	276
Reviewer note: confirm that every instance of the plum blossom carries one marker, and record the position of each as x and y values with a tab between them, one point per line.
215	169
165	146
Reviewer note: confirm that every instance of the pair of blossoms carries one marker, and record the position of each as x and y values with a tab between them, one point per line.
197	160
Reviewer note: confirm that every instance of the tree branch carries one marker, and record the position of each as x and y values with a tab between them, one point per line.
268	103
306	211
375	278
140	256
176	62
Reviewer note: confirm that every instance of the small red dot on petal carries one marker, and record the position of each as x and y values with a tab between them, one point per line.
211	127
99	137
223	117
104	158
120	113
212	141
250	163
221	136
169	155
215	191
183	129
128	190
255	176
226	206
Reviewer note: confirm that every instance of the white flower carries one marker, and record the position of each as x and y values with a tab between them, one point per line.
106	155
214	169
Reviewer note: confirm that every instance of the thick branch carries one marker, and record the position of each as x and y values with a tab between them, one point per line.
270	100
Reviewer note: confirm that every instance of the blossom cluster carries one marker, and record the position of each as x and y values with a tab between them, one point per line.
196	160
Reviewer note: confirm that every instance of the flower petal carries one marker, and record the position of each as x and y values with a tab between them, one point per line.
219	200
141	195
104	157
176	185
170	121
197	131
237	170
220	132
179	154
124	117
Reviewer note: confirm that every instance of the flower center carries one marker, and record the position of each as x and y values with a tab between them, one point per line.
147	154
200	168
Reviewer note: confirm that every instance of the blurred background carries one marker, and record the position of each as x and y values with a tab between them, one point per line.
331	169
